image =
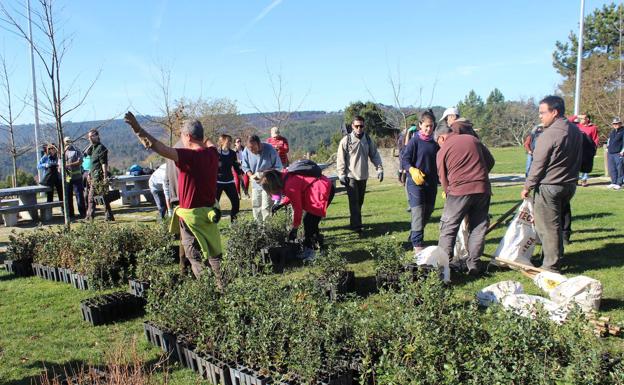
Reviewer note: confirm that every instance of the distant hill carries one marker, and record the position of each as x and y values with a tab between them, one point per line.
305	131
125	150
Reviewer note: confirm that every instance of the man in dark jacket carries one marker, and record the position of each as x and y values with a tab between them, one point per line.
553	175
463	165
615	147
98	175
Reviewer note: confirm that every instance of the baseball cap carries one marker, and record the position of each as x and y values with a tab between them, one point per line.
449	111
67	139
616	120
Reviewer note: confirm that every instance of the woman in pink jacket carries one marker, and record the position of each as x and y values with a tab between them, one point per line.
304	193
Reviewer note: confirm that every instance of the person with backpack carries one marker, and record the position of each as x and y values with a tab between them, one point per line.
419	161
553	176
354	151
228	162
304	188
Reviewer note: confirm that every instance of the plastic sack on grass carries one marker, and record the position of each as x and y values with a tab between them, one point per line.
461	243
548	281
519	241
525	305
436	257
582	290
497	291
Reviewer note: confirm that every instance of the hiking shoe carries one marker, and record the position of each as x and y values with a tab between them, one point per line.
584	183
617	187
307	254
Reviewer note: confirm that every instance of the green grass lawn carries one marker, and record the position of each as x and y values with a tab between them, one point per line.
512	160
41	326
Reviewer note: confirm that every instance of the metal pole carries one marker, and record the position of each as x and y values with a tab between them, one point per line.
34	85
579	60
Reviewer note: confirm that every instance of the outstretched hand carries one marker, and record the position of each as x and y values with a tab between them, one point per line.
132	122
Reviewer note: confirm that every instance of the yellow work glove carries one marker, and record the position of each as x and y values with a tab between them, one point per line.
443	194
417	176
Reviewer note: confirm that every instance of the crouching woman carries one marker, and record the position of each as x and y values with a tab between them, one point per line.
304	193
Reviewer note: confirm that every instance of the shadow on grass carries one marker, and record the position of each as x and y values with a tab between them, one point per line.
610	255
589	216
8	277
54	369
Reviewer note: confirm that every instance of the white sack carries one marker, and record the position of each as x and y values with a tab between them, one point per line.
497	291
436	257
525	305
461	242
585	291
519	241
547	281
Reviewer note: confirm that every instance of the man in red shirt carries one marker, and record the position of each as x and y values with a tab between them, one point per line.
463	165
197	184
280	144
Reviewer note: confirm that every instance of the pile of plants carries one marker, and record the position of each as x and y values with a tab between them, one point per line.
419	332
391	261
106	254
246	238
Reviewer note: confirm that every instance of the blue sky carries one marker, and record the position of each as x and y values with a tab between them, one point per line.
329	53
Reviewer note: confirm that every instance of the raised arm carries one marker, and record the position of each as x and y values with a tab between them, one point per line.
148	140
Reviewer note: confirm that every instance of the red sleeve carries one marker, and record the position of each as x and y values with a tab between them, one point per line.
527	143
285	146
293	194
594	136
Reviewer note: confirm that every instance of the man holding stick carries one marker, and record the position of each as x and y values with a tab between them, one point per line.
553	176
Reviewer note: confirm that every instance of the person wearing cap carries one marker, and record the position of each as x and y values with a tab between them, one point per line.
280	144
198	211
73	176
354	151
615	148
259	157
460	125
553	176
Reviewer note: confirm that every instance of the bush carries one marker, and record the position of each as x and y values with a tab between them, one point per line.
24	246
245	239
331	267
388	254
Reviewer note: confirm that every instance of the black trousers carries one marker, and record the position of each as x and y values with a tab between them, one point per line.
232	194
311	223
58	185
355	191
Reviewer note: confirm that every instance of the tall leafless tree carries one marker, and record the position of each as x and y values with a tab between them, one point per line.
8	116
50	45
279	113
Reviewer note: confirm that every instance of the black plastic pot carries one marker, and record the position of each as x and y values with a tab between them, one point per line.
79	281
214	370
163	339
138	288
64	275
19	268
111	307
242	375
345	284
186	354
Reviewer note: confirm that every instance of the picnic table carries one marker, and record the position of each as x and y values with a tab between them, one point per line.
24	199
131	188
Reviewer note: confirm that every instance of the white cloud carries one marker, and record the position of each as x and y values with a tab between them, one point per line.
257	19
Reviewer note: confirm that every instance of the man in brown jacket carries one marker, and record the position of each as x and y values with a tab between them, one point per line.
553	175
463	165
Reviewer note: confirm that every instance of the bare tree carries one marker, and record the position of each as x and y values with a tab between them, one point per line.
282	109
8	118
51	46
520	117
170	115
218	115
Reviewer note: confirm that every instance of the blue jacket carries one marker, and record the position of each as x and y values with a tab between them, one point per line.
422	155
266	160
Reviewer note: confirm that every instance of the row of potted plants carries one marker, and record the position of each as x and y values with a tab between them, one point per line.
112	307
103	253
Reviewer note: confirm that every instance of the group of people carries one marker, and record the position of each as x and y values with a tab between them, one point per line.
447	152
86	174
